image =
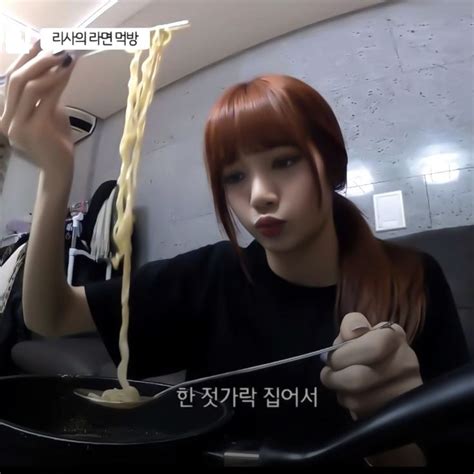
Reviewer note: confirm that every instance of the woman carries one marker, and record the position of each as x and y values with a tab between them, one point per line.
314	273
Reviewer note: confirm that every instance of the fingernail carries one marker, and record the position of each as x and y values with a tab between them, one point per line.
360	329
67	61
324	357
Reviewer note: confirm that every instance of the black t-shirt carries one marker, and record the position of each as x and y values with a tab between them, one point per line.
198	312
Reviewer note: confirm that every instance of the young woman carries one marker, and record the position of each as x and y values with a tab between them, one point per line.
313	275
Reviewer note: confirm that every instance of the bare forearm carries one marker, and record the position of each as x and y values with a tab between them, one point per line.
44	281
408	455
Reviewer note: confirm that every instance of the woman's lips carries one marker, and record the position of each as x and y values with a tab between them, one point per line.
271	230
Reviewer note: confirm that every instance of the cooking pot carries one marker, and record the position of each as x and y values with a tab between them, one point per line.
42	423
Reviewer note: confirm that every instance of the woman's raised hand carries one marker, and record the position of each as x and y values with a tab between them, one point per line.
33	120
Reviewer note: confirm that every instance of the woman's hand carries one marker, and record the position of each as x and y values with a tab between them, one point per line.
33	121
377	366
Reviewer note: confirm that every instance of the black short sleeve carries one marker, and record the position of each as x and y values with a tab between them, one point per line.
167	317
441	346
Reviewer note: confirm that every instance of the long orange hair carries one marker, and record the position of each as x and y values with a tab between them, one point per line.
377	278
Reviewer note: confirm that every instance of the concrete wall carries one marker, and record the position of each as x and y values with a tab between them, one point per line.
19	192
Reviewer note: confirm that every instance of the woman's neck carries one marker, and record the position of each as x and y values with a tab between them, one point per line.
315	263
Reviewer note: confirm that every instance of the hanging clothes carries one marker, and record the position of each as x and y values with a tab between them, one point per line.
12	326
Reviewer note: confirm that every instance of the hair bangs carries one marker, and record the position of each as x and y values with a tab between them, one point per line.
251	121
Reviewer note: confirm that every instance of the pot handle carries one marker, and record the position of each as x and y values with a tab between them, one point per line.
415	415
244	453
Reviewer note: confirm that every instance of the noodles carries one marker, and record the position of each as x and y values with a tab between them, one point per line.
140	96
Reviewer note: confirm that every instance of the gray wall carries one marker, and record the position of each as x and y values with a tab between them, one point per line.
19	192
399	78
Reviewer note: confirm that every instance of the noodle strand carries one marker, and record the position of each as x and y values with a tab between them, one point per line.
140	96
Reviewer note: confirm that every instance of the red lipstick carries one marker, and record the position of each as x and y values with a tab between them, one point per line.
269	226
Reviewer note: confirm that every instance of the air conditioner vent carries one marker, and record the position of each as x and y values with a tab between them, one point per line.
82	123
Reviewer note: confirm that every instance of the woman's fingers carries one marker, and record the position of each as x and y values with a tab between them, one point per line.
368	349
20	61
19	78
24	58
40	89
366	403
50	100
353	325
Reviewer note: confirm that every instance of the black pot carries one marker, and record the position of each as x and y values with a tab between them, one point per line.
43	423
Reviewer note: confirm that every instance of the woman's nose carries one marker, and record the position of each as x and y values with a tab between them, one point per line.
263	194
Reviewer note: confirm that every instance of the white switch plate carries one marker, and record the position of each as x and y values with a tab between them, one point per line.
389	211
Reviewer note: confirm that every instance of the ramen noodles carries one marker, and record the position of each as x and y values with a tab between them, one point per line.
140	95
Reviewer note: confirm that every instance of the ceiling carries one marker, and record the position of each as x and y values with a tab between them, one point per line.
219	28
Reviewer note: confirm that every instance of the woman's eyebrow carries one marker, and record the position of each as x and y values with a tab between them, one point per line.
267	155
286	152
277	153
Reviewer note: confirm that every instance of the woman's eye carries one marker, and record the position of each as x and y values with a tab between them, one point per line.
285	162
232	178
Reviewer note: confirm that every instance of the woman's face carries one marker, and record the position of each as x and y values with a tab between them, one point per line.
278	183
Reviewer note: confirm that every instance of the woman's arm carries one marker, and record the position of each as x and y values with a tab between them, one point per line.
50	306
37	126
